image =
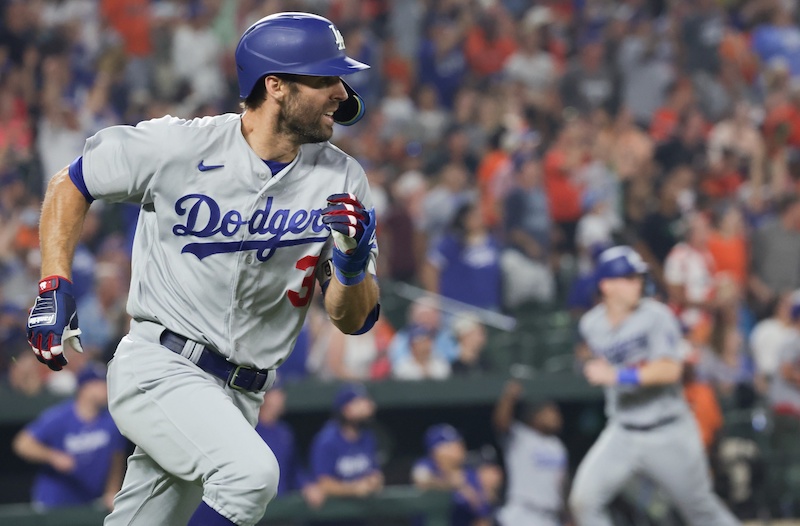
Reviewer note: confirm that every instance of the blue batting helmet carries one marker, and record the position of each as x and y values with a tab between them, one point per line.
794	300
299	44
618	262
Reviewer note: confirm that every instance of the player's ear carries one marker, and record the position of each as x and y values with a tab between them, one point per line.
276	87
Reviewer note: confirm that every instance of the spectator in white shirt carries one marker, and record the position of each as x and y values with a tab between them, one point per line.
423	363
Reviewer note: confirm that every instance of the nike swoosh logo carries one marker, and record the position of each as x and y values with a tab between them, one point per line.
206	167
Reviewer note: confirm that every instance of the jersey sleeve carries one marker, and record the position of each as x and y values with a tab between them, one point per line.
120	162
665	335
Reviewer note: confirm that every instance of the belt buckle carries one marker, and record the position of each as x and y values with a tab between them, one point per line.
235	375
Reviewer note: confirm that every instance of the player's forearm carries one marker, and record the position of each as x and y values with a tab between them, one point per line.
660	372
349	305
30	449
63	212
338	488
504	413
116	473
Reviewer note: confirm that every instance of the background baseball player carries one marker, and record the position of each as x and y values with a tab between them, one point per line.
535	458
236	216
630	345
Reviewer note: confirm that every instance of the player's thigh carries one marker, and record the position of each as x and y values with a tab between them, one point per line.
606	467
180	416
152	497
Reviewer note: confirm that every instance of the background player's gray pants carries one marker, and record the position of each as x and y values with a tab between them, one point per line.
195	439
671	455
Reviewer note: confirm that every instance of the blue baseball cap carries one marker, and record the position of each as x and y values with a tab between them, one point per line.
419	331
92	371
347	394
441	434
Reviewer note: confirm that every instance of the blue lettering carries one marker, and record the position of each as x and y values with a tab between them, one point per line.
203	202
298	222
231	223
203	218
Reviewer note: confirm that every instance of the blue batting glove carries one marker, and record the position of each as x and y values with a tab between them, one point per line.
53	322
353	231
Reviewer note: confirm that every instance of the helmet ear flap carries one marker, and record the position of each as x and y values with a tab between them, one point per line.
351	110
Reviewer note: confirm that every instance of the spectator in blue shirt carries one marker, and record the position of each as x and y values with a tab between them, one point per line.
279	436
468	254
445	469
343	456
81	452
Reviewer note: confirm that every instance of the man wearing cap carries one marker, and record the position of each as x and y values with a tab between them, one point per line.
445	469
80	450
343	456
423	363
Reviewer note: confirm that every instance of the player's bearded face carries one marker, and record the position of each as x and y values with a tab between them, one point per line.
303	118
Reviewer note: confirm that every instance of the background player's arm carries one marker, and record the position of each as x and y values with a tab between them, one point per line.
349	306
361	487
29	448
503	415
661	371
63	212
114	481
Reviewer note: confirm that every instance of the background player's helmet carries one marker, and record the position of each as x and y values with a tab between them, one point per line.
619	262
300	44
795	305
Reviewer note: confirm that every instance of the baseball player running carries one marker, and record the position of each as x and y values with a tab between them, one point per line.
239	213
630	346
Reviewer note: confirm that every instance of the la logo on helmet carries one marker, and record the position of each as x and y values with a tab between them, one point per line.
338	36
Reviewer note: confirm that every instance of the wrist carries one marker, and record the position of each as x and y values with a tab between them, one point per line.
54	282
628	376
348	278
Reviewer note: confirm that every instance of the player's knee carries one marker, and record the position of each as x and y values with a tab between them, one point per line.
246	486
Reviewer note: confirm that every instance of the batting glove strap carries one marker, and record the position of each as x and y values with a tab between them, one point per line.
349	279
52	321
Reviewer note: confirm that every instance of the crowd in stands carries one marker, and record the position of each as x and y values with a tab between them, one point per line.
506	142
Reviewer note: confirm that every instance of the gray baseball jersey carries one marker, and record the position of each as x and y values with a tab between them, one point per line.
225	252
782	392
536	466
651	332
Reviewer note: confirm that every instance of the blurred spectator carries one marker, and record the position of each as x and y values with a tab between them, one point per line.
536	461
589	83
595	228
728	245
132	20
471	336
776	254
103	319
702	400
467	253
444	468
738	135
701	34
196	54
343	455
689	274
645	62
81	451
779	39
423	363
489	43
425	311
445	199
770	335
725	365
687	146
526	215
441	61
279	437
679	97
532	65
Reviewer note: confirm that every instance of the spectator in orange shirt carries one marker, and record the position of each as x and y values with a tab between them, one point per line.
563	191
704	405
132	20
680	96
488	45
728	245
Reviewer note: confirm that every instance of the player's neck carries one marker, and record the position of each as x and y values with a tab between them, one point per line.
86	410
617	312
259	132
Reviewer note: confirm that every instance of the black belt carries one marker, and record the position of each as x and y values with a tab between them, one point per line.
237	376
649	427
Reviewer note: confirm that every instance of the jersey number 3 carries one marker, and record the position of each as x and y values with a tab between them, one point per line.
301	299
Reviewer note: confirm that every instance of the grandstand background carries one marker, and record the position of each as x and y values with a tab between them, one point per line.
536	132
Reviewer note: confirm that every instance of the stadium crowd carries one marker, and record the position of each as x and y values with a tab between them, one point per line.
506	143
